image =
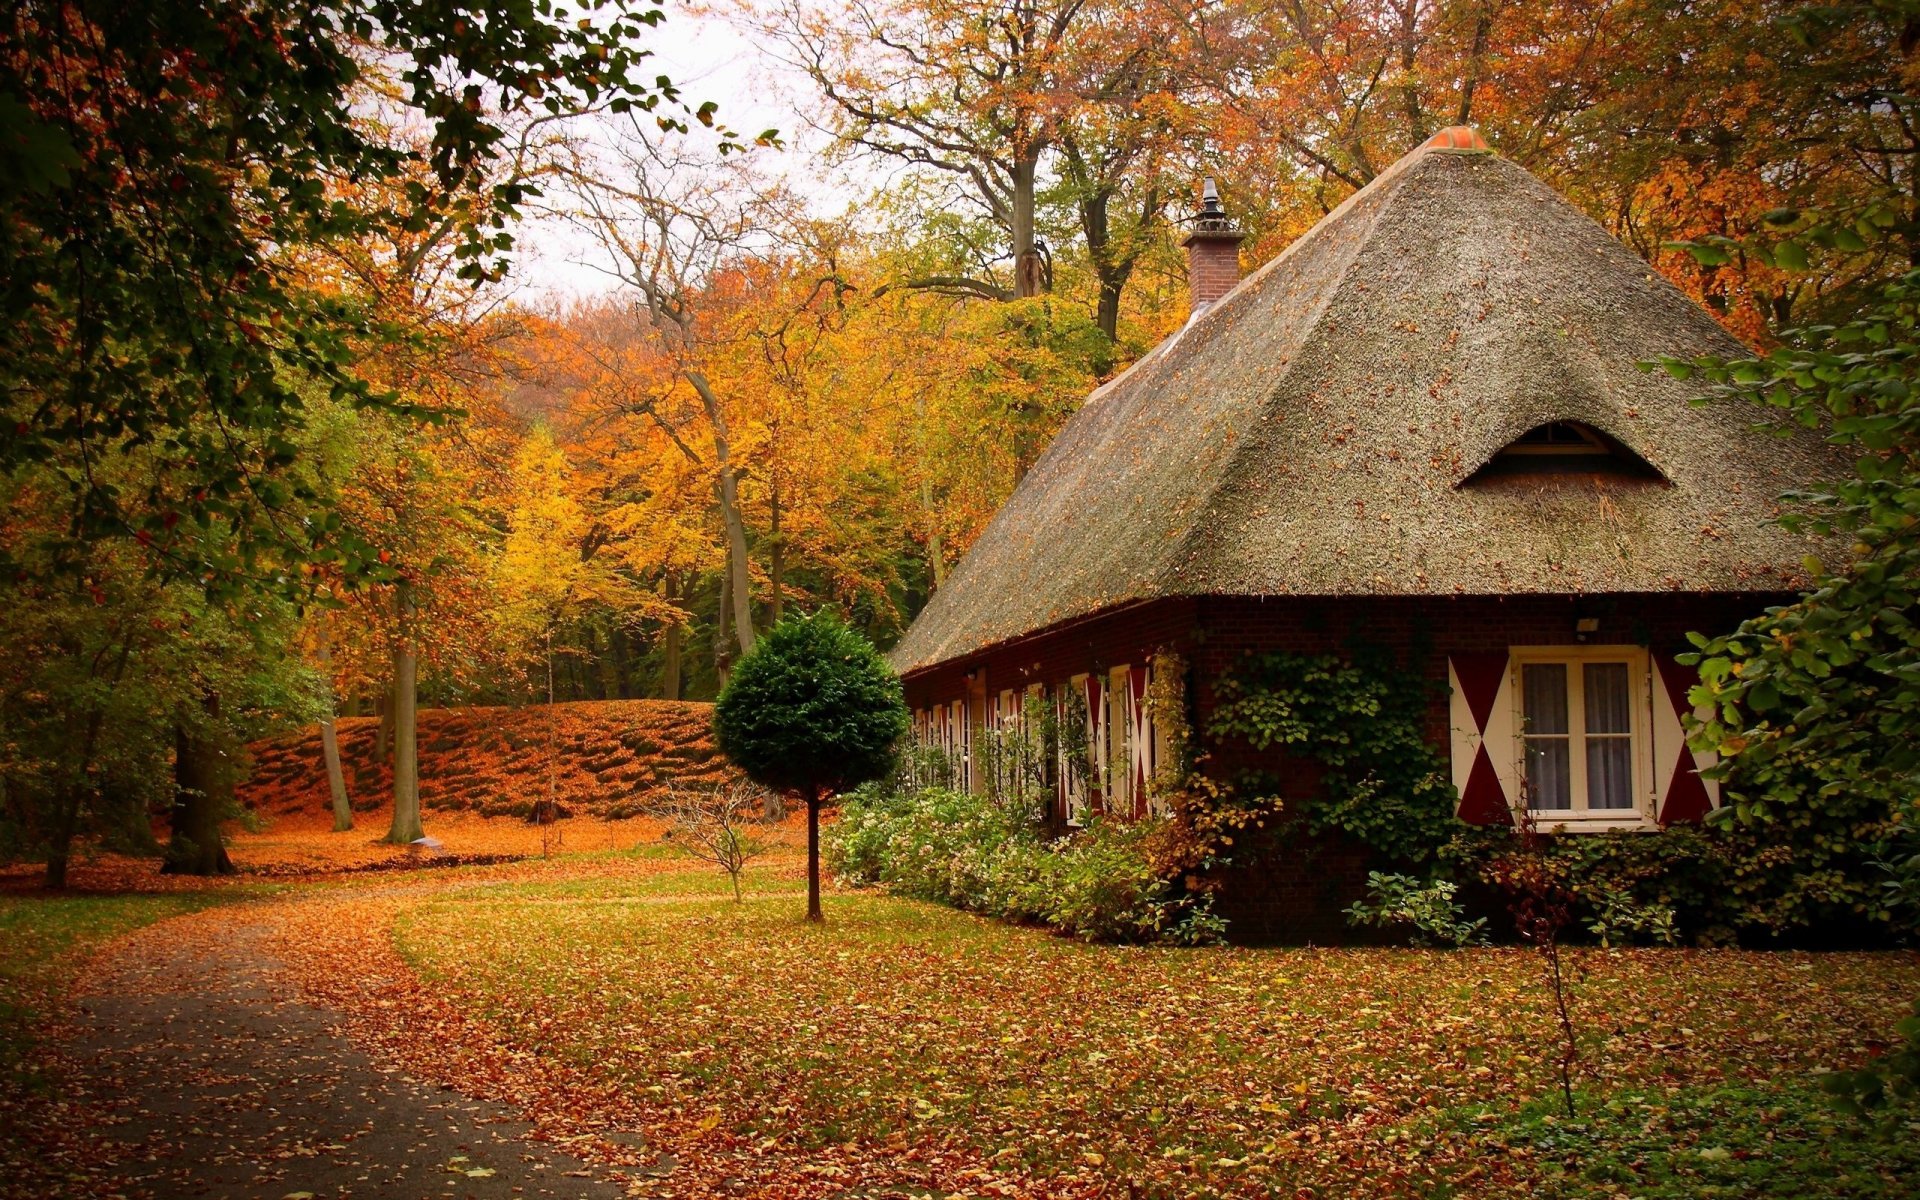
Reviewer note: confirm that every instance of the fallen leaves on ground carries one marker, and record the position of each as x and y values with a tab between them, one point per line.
906	1048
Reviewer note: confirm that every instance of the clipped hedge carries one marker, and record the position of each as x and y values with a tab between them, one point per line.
963	850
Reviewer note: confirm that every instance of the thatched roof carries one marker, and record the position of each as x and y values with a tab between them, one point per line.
1313	432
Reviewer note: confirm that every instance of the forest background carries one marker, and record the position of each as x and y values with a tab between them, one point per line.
785	394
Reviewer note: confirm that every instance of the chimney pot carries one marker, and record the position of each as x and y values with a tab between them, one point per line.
1213	251
1457	137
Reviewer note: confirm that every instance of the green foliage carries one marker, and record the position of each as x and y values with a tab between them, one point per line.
974	854
102	674
1428	908
1817	703
1730	1139
1017	762
175	160
1362	720
1618	917
1898	862
813	709
1891	1080
1712	884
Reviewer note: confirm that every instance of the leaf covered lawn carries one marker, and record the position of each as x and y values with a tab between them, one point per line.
909	1049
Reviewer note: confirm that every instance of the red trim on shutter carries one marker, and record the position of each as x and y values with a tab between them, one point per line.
1687	800
1480	674
1484	802
1137	745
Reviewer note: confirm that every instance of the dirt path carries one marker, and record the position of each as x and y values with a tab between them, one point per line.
215	1083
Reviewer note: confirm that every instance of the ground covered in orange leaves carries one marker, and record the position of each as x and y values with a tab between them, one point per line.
483	772
680	1044
600	759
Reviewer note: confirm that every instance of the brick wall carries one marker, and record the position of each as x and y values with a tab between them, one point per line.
1213	267
1298	895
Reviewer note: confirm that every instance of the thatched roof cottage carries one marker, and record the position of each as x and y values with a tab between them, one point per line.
1422	425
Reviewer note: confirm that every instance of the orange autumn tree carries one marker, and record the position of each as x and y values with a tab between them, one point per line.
419	487
667	221
1665	122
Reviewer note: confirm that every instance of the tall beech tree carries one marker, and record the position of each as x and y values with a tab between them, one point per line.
670	221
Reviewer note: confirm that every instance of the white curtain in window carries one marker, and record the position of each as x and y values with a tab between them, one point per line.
1543	688
1609	735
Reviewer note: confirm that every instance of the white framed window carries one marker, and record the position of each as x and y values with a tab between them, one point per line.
1584	719
1073	763
1119	751
958	736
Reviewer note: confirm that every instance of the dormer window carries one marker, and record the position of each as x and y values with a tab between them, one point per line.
1565	448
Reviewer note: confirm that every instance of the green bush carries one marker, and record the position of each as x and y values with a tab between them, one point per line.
1428	909
812	709
974	854
1721	882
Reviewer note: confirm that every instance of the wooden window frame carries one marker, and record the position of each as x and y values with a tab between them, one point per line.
1117	754
1075	786
1640	685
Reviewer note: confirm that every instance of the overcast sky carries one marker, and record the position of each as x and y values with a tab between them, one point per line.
708	59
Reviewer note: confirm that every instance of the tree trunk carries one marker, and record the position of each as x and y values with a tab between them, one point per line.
1410	88
618	661
1096	227
728	487
936	548
66	823
1477	65
406	748
813	856
330	740
383	732
670	648
776	553
609	668
1028	278
203	796
722	649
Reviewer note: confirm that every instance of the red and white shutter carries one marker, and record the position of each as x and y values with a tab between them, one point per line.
1486	771
1140	736
1096	689
1680	795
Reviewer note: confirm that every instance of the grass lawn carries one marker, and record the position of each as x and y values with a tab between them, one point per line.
44	939
1180	1072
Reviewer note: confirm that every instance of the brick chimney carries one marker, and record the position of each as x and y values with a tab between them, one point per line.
1213	252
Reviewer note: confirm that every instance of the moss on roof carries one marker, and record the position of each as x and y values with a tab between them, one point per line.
1310	433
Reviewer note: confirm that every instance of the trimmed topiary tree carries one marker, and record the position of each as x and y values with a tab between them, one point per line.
812	710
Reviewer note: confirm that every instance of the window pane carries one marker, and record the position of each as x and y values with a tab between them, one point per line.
1549	777
1609	772
1606	696
1544	686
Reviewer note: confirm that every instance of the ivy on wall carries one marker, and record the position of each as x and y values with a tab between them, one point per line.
1166	704
1362	720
